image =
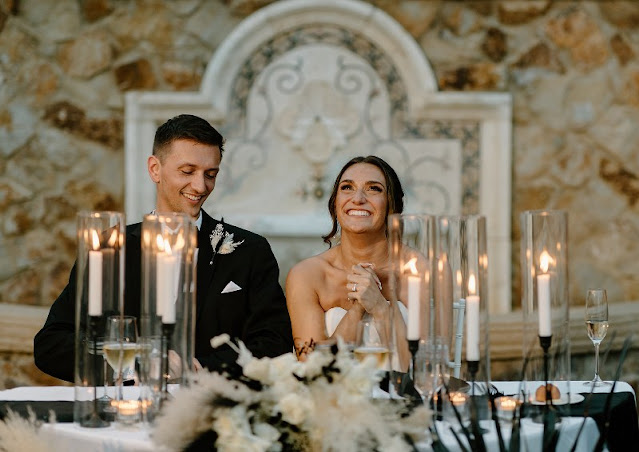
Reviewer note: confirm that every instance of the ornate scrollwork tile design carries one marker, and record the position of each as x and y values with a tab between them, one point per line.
320	119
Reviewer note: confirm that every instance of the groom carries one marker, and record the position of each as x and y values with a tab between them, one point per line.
237	292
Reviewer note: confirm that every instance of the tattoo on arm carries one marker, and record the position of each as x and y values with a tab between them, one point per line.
305	348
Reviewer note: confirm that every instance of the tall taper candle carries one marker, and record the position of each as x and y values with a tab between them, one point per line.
95	276
543	296
166	268
413	308
472	321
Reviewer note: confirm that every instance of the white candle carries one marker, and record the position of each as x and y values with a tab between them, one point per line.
472	322
165	302
443	297
95	277
543	297
166	281
413	308
414	283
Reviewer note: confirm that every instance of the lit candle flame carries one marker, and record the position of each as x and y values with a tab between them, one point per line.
544	261
113	238
508	404
471	285
458	398
179	242
95	240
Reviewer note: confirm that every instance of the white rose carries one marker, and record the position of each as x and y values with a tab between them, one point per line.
266	432
360	379
258	369
294	408
283	366
224	425
313	365
395	444
243	443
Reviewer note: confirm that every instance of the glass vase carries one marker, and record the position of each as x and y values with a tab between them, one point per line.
461	294
167	325
412	306
545	307
99	294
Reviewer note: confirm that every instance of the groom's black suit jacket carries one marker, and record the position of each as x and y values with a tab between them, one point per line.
255	314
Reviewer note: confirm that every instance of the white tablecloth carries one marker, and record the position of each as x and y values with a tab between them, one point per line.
70	436
531	434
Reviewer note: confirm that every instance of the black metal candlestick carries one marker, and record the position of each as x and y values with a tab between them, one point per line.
413	347
545	342
550	413
473	368
94	420
476	429
167	332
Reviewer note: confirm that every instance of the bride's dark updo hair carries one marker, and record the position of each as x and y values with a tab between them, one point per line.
394	191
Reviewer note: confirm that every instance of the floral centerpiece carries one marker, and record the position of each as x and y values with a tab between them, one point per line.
275	404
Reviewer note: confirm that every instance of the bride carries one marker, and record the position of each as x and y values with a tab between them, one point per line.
329	293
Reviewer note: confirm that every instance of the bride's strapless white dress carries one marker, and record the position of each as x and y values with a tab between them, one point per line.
333	316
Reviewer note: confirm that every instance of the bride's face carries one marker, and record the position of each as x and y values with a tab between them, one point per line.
362	199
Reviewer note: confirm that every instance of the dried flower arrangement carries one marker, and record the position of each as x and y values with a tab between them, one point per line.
279	404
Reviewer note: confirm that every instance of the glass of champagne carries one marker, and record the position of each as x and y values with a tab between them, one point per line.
597	326
120	345
372	340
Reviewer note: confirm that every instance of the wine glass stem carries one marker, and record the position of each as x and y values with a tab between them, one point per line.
597	361
106	380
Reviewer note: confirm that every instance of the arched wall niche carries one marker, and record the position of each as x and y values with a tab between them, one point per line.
300	87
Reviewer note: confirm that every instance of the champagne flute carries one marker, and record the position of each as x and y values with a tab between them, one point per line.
597	326
371	342
120	345
105	399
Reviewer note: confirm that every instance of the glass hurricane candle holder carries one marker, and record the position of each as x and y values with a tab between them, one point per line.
412	308
544	277
167	312
461	293
99	273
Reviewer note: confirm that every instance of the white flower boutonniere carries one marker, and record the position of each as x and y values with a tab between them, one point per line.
227	246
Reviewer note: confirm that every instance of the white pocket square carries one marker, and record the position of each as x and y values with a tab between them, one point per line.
231	287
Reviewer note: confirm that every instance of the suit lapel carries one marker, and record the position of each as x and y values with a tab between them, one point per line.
204	268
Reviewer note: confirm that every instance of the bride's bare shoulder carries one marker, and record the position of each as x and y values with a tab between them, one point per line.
313	267
320	262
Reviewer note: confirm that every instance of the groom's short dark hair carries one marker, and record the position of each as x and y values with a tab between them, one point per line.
185	127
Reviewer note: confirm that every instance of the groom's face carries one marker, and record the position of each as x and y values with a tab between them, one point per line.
185	176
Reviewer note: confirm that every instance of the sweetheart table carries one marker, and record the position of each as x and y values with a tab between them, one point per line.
65	435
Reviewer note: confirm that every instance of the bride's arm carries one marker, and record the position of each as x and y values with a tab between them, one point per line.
304	309
347	327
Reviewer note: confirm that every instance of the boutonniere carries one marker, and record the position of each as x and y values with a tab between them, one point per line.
222	242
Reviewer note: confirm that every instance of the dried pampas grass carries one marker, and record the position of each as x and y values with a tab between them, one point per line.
18	434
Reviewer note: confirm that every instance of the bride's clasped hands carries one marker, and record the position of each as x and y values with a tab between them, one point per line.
364	287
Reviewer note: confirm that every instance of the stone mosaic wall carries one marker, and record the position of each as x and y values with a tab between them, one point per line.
65	65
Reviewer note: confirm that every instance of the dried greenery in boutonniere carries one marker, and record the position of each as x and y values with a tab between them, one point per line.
222	242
